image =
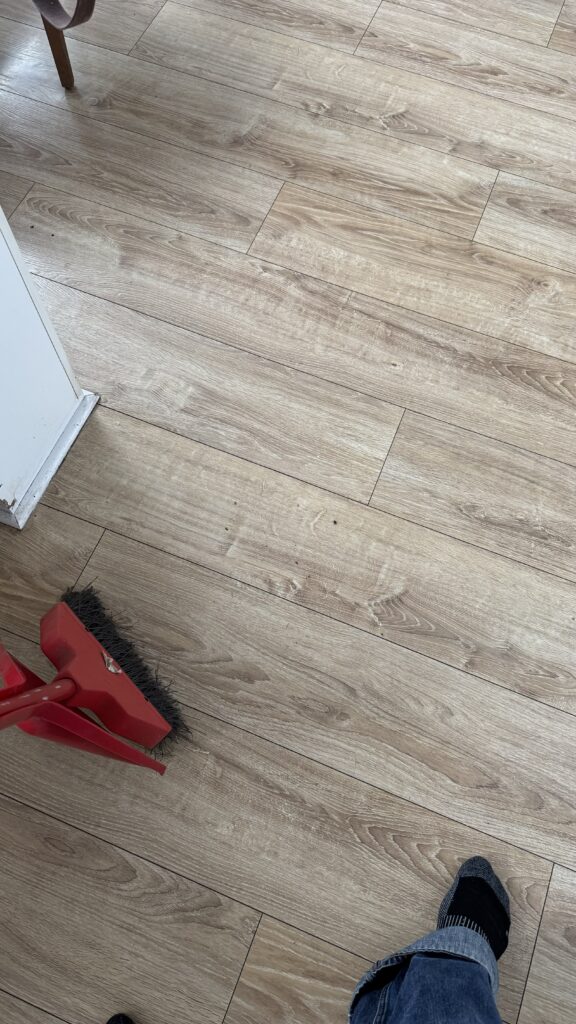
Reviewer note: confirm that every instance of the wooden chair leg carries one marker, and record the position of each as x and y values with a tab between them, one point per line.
60	53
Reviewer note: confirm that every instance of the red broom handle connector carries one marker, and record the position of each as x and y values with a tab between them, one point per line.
17	708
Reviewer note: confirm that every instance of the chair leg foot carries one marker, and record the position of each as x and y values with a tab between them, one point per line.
60	53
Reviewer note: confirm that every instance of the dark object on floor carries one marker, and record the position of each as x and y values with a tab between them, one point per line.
88	607
55	19
478	900
120	1018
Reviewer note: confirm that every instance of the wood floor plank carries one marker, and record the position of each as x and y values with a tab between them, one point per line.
37	564
474	58
27	651
14	1011
482	491
298	841
336	23
115	933
290	976
216	394
550	997
258	134
429	734
166	184
400	103
418	588
411	360
531	220
115	24
532	20
12	191
461	282
564	34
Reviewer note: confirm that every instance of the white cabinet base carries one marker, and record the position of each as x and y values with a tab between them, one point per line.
21	510
42	407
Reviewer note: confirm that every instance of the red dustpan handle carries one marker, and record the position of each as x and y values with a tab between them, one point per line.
18	707
60	724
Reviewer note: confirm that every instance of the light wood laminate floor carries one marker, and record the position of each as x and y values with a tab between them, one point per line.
319	260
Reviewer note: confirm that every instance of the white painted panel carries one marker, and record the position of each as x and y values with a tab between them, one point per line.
38	394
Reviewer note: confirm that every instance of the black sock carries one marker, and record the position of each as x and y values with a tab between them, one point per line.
478	900
120	1018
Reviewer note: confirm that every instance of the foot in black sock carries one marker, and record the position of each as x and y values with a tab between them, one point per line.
120	1018
478	900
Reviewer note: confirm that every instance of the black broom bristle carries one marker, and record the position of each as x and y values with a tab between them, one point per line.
88	607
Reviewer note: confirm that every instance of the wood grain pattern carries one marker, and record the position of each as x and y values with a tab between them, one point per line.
372	699
389	100
473	58
408	725
336	23
184	190
381	350
14	1011
290	976
29	652
482	491
462	282
522	19
37	565
115	25
258	134
294	839
550	997
216	394
422	590
531	220
100	907
12	191
564	35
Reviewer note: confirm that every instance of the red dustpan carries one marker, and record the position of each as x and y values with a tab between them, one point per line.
87	681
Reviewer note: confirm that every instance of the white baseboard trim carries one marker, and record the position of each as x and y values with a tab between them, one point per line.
18	515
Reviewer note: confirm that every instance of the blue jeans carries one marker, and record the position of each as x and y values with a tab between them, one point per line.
448	977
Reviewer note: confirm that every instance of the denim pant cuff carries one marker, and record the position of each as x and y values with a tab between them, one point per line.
455	941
